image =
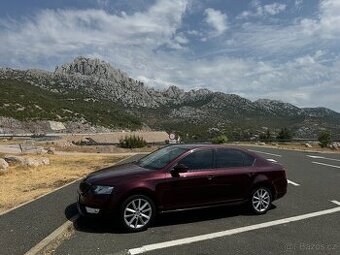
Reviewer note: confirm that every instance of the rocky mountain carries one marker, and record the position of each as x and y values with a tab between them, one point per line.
91	91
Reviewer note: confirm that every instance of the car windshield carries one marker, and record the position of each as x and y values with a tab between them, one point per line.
161	158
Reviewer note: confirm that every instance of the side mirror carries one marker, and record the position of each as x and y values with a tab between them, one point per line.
179	168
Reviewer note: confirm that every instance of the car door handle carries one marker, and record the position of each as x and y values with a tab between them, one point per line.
210	177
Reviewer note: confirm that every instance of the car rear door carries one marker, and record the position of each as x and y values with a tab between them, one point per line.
232	175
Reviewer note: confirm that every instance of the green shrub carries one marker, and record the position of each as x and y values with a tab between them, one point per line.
325	139
219	139
266	137
285	135
132	141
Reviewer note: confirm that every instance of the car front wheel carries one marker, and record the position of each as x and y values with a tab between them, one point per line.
137	213
261	200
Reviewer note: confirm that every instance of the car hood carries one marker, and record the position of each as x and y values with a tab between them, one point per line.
109	174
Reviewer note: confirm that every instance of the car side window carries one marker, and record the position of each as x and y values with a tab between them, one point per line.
225	158
248	159
198	160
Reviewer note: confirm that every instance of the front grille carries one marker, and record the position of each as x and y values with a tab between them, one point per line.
84	187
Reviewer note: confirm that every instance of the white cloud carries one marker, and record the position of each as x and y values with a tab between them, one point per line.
53	32
259	11
181	39
298	3
217	20
330	18
274	8
268	40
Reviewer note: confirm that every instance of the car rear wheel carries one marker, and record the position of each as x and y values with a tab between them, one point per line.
137	213
261	199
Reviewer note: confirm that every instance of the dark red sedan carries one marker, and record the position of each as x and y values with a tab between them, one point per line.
182	177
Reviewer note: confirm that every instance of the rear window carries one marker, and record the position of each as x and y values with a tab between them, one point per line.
225	158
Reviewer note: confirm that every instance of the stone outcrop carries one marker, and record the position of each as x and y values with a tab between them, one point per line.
3	166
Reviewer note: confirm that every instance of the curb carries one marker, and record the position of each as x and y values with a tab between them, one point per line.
54	236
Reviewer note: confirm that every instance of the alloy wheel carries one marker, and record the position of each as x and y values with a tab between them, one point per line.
261	200
137	213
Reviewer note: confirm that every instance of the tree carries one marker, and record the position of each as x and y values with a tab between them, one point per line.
325	139
284	135
266	137
219	139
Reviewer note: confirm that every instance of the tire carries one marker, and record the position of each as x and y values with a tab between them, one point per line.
137	213
260	200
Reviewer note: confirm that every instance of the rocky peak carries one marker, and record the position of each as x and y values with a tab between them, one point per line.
275	103
89	67
319	112
173	92
278	107
203	92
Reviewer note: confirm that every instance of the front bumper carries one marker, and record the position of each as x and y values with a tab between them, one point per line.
91	205
88	211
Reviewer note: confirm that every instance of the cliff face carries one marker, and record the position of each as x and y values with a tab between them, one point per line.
96	82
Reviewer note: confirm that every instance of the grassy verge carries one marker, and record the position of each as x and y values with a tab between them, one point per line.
22	184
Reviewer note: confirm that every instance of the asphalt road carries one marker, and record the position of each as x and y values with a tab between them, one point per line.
314	183
22	228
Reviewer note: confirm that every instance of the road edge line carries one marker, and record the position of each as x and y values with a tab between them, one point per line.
323	164
267	153
335	202
293	183
286	149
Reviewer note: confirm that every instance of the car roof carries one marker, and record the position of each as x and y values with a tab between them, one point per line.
203	145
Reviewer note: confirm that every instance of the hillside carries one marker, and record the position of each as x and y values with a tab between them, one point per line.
25	102
91	91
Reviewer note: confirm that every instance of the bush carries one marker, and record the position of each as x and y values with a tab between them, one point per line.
284	135
266	137
219	139
132	142
325	139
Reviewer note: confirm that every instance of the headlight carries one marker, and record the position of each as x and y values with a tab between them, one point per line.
102	190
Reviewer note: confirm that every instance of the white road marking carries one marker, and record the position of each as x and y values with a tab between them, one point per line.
323	164
293	183
320	157
276	155
272	160
335	202
188	240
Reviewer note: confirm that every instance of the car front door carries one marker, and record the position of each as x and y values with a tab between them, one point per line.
191	188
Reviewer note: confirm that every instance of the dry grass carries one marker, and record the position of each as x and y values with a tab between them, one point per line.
101	148
22	184
10	141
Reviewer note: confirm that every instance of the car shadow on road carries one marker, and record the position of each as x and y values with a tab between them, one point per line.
70	211
111	224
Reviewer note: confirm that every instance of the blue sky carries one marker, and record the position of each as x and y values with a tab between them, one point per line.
286	50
